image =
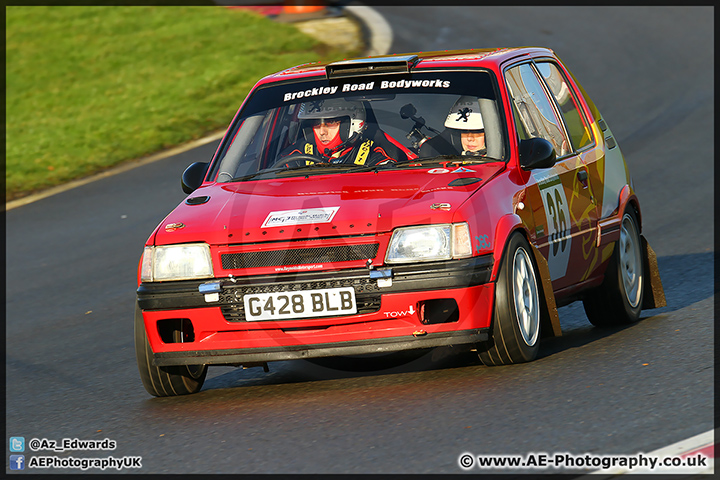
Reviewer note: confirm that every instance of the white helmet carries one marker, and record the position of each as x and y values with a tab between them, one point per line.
465	115
336	108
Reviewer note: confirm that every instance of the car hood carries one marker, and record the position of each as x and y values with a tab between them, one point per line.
322	206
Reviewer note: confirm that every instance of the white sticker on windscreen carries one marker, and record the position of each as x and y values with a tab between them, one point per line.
300	217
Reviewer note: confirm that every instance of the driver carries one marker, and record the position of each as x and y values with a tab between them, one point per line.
465	117
335	131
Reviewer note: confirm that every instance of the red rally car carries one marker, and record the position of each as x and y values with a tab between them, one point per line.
392	203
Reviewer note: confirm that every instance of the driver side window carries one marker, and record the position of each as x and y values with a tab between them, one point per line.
567	103
532	110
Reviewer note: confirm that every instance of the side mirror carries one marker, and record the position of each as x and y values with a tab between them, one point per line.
536	153
193	176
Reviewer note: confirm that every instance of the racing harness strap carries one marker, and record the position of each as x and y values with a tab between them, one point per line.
363	152
360	158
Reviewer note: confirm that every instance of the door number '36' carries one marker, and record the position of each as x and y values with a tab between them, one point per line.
558	220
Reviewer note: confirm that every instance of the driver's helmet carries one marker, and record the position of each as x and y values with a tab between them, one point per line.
465	115
351	115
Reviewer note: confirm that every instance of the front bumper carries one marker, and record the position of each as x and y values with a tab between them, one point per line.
390	317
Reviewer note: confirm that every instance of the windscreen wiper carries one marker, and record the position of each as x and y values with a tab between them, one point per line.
253	175
449	159
293	168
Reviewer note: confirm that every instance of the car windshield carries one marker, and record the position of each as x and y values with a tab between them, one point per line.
362	123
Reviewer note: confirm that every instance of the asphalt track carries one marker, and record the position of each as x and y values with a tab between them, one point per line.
72	257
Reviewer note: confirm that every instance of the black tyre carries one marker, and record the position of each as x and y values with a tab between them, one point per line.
619	298
516	318
164	381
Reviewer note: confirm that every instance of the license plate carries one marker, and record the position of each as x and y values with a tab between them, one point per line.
302	304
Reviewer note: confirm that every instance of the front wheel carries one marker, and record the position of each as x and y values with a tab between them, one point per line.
618	300
516	318
164	381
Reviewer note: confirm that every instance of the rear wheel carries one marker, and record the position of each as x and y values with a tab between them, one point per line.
619	298
516	318
164	381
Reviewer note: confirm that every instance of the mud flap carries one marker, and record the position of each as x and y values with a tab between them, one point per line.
653	292
549	318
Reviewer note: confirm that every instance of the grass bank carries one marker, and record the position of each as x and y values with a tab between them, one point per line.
90	87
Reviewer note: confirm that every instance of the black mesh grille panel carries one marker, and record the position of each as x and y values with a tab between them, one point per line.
299	256
367	296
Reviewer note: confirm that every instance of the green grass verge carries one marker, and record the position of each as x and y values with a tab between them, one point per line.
90	87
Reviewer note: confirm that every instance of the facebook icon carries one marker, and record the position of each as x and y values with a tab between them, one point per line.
17	462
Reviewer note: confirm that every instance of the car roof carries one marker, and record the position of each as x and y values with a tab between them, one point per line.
474	57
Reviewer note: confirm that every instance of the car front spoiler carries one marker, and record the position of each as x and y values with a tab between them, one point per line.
297	352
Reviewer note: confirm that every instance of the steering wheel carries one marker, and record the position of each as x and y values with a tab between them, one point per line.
296	159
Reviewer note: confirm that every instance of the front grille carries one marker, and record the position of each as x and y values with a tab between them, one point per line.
367	296
299	256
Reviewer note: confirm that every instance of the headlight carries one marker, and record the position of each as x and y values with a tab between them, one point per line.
428	243
176	262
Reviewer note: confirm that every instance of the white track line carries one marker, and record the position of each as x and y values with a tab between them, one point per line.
380	31
688	447
113	171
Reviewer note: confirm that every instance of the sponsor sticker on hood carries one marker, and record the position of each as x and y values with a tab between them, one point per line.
300	217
